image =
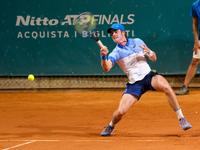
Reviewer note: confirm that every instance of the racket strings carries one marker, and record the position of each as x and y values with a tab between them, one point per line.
86	25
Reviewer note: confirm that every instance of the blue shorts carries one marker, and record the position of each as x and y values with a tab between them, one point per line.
140	87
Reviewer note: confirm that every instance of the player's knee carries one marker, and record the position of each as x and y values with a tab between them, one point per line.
167	89
121	113
195	62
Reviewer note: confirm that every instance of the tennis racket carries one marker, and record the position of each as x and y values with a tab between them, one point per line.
86	25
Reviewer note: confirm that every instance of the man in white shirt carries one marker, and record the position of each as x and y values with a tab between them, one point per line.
130	54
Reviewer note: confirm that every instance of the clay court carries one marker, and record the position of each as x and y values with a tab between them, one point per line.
49	120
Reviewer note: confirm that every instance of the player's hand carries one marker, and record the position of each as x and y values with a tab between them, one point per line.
146	50
196	47
104	51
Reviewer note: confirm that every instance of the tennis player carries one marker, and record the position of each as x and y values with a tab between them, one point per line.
130	54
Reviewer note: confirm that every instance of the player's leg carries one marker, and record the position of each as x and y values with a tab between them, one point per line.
159	83
184	89
125	104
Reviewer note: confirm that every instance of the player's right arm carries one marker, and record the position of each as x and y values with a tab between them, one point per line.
195	31
105	63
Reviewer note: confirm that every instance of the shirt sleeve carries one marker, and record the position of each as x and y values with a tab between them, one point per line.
113	56
193	11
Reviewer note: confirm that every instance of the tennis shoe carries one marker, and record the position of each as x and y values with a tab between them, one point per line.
107	131
184	124
183	90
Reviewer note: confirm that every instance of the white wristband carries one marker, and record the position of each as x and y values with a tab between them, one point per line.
150	54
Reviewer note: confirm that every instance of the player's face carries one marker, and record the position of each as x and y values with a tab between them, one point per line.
117	36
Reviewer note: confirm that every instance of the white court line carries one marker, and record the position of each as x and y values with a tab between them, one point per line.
58	140
32	141
19	145
75	140
148	140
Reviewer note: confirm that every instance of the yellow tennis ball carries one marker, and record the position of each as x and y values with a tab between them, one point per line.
31	77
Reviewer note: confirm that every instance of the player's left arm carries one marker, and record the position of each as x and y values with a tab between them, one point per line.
149	53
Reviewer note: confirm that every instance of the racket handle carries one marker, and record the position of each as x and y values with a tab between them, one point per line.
100	44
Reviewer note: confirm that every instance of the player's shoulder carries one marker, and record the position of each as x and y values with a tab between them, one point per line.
136	40
116	48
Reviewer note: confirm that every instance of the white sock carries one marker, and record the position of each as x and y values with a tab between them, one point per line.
112	124
179	113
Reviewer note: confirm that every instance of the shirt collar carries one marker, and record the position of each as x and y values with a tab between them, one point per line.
121	46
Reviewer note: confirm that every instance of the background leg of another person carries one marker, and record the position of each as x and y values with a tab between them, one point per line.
184	89
191	71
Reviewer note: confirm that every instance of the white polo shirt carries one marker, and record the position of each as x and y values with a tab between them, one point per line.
131	60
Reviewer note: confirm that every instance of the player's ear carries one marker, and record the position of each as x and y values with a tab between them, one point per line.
123	33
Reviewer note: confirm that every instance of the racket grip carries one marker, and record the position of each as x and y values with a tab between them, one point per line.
100	44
